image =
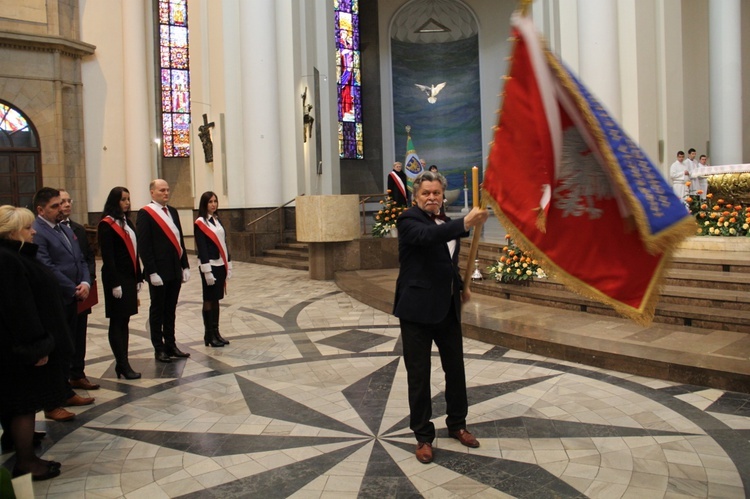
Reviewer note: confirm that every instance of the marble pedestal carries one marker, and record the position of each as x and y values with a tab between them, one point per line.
325	222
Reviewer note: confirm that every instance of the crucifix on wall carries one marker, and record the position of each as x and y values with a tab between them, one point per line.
204	133
307	118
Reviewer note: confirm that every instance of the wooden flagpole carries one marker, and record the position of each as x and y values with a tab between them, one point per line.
477	230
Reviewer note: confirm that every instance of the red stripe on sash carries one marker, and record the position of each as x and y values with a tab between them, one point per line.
125	238
214	238
399	184
165	228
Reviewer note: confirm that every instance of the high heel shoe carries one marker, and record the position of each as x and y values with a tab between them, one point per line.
126	372
210	339
221	338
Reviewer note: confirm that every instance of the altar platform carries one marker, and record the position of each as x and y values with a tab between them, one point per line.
701	334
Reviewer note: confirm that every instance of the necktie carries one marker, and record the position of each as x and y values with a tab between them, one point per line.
166	211
66	222
211	221
439	216
62	234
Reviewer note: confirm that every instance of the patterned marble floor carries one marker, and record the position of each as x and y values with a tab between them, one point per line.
309	401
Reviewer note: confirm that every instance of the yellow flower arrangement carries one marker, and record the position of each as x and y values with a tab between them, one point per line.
385	218
515	265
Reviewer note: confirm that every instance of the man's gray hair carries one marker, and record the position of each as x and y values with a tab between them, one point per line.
428	176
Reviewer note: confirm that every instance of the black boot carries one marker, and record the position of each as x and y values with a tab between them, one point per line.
209	329
217	334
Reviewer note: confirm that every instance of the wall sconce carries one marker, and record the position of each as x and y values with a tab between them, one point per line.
307	119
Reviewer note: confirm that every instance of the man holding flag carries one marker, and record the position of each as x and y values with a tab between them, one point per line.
428	305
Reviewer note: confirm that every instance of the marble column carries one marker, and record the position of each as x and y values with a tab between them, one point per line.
260	104
598	52
140	150
725	81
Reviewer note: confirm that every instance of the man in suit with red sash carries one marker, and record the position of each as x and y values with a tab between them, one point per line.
428	299
165	265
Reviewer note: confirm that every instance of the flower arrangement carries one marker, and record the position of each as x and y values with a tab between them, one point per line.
515	265
385	218
719	217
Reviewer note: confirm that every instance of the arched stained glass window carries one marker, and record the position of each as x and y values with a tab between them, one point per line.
348	77
20	157
175	78
14	129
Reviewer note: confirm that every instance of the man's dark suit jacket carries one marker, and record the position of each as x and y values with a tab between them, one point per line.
158	254
83	241
66	262
428	277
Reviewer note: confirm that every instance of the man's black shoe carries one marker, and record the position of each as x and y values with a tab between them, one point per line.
176	352
162	357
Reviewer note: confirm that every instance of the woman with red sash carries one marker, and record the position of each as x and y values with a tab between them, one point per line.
121	275
215	265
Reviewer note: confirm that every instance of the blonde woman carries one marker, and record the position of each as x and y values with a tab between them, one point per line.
34	346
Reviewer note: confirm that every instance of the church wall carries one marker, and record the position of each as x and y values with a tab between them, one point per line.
29	16
695	57
745	83
639	74
40	75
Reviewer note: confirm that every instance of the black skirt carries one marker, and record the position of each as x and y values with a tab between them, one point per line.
215	292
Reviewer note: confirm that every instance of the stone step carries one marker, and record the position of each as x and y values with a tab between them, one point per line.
291	254
282	262
303	247
674	307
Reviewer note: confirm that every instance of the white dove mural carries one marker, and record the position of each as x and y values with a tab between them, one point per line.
431	91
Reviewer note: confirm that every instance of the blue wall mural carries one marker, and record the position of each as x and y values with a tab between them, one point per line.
446	129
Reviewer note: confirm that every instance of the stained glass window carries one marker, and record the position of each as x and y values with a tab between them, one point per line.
14	129
175	78
349	79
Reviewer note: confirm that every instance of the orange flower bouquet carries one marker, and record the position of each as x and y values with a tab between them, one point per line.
385	218
515	265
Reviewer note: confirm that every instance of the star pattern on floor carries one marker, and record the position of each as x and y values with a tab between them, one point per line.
309	400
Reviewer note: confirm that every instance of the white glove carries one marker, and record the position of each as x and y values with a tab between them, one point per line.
229	270
155	280
185	275
210	279
138	287
117	292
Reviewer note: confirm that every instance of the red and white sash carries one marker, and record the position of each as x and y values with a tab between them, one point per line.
399	183
125	238
165	228
211	234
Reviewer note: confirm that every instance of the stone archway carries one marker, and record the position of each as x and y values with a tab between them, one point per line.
20	157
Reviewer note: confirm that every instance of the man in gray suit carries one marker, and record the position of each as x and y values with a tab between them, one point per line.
60	252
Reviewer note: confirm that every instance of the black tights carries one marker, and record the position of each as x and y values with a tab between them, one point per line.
21	429
209	306
118	339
